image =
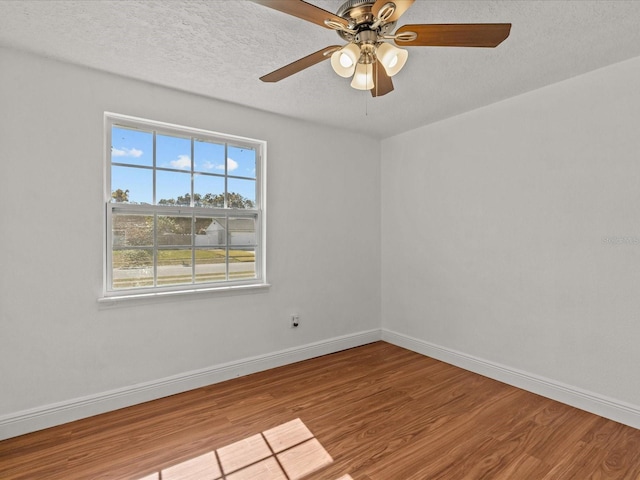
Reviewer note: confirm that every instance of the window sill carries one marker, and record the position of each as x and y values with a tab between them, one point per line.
154	296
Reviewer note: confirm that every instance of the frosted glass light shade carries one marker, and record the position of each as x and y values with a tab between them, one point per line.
344	61
363	78
392	58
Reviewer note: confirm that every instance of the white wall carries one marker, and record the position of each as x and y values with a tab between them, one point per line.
59	344
493	225
492	238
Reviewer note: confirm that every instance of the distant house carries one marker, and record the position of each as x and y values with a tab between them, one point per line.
242	231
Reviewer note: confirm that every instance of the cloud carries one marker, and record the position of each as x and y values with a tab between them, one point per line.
231	165
126	152
183	162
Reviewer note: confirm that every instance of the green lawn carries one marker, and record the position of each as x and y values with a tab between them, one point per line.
137	258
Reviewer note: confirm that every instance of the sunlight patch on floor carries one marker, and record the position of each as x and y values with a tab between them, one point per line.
286	452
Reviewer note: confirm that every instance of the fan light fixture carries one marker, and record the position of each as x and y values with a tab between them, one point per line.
363	78
344	60
350	60
392	58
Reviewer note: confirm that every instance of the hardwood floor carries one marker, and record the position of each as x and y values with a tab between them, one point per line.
380	412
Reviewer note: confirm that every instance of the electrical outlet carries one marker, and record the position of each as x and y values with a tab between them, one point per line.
295	321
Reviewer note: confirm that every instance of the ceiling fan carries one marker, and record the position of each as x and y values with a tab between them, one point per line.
367	25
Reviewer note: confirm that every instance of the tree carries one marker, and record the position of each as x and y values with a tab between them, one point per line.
120	196
234	200
213	200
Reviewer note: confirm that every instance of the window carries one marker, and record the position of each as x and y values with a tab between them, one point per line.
184	208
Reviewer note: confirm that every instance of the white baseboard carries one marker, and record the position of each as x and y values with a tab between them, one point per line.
591	402
27	421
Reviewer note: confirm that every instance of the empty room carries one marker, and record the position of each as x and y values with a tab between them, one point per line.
320	240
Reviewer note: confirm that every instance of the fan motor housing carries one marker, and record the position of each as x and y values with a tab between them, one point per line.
358	14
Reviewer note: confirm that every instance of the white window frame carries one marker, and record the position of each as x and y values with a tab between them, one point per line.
259	212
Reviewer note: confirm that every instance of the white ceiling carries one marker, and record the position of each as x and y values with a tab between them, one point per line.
219	48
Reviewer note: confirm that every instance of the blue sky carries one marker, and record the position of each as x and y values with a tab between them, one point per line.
135	147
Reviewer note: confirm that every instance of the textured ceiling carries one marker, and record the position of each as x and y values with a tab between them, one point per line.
220	48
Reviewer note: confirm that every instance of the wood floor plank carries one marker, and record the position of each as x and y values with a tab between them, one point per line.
379	411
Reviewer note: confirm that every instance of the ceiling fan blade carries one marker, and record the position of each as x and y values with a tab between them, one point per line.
401	7
304	10
300	64
456	35
382	83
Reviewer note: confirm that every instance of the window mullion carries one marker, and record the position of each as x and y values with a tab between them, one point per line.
193	247
155	250
155	200
193	215
227	238
193	160
226	176
155	215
